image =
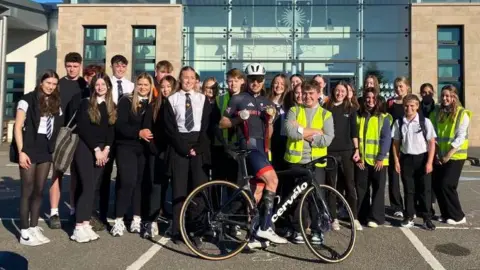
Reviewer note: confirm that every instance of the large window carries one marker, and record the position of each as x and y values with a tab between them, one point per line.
95	42
15	87
450	58
144	49
339	39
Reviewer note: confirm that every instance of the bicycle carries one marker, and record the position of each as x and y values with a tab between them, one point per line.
236	213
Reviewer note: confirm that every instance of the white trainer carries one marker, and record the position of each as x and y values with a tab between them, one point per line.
80	235
93	235
38	232
336	225
453	222
118	228
270	235
136	225
29	239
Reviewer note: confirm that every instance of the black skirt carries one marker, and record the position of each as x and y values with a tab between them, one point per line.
40	152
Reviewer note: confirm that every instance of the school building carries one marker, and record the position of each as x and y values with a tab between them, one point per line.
431	41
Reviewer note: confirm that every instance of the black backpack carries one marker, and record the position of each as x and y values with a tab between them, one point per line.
421	118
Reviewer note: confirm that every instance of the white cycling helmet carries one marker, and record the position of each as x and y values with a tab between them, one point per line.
255	69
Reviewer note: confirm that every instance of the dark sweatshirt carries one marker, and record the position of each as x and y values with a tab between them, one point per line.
92	134
128	123
345	123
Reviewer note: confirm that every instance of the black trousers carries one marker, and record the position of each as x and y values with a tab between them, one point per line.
224	167
102	196
371	207
396	203
130	169
445	179
309	211
417	185
187	174
344	177
88	177
155	185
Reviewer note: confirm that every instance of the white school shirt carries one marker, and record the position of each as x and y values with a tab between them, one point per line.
413	142
177	101
127	87
42	127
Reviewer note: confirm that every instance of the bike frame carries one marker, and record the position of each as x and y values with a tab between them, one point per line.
296	192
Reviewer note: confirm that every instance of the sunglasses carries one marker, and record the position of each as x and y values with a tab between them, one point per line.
256	78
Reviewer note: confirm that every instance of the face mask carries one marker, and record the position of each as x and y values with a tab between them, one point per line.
428	99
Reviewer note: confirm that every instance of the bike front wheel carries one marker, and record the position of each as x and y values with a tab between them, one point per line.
327	224
215	220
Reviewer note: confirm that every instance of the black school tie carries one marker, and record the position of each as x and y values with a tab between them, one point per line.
188	113
120	88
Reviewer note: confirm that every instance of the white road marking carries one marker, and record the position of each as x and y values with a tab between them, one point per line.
147	256
426	254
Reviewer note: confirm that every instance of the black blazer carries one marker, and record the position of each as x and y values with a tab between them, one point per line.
177	142
30	127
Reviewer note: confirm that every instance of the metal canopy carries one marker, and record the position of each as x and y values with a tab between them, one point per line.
25	14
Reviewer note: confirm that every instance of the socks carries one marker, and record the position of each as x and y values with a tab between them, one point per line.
266	209
54	212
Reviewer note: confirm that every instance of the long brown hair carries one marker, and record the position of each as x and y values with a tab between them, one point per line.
286	86
134	97
354	99
93	111
376	85
49	104
157	103
456	103
347	104
377	109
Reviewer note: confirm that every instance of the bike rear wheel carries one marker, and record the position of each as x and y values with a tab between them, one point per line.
215	220
316	218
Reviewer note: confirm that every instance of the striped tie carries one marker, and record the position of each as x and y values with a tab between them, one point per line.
49	127
188	113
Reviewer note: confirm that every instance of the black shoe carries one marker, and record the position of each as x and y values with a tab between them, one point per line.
97	224
177	239
408	222
428	225
54	222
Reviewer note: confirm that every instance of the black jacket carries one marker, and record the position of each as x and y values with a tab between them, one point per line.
32	121
128	124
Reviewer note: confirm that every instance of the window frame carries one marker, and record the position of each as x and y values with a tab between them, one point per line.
12	90
94	61
459	61
143	41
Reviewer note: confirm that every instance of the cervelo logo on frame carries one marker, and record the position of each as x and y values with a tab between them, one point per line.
297	191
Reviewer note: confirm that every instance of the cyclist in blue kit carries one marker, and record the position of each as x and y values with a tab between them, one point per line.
253	115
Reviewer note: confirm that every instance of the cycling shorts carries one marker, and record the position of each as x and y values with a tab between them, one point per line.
258	164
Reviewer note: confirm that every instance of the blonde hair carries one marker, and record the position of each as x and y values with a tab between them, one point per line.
411	97
444	115
403	79
134	97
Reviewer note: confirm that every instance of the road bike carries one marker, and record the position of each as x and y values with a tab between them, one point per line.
218	218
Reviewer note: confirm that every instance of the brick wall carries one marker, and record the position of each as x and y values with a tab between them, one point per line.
425	19
119	19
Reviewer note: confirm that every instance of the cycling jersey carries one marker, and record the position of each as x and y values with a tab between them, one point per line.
257	121
256	128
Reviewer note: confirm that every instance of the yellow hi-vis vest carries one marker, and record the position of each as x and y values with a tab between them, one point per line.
222	103
370	145
446	132
294	151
